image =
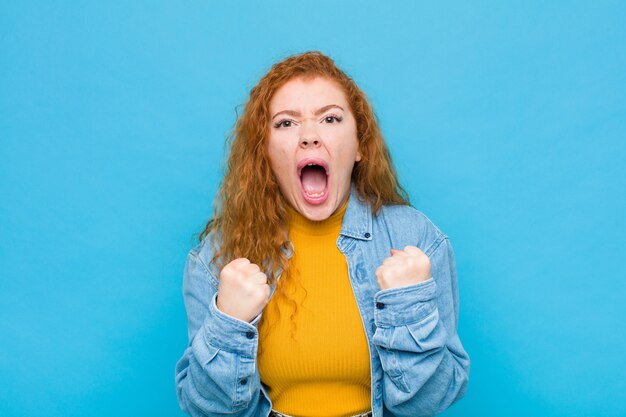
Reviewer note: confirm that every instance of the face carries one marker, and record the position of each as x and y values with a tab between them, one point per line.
312	145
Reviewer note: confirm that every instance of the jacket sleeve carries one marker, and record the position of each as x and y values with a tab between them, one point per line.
217	373
425	368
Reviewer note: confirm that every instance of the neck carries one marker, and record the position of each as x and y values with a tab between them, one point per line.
300	223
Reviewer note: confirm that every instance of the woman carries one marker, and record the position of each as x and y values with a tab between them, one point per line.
316	289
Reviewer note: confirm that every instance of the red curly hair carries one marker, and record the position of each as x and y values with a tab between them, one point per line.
250	212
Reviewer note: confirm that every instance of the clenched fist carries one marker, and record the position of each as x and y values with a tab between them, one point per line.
243	291
403	267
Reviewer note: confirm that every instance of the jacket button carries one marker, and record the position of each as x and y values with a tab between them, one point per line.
243	381
249	335
380	305
367	235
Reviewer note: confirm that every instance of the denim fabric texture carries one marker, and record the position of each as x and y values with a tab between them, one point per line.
418	364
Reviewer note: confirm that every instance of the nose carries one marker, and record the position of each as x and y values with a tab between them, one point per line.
309	141
309	136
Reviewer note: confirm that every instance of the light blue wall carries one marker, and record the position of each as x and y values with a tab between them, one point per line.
507	122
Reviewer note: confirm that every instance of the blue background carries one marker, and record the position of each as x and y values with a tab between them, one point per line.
506	122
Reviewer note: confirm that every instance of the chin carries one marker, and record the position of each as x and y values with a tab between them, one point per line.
318	217
318	213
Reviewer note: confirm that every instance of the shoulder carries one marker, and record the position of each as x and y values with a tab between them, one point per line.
409	224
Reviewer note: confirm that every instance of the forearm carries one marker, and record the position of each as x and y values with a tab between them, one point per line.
426	368
425	371
217	374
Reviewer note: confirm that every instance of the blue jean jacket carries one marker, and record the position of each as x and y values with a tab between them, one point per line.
418	364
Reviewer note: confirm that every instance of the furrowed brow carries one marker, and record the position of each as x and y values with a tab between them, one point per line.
317	112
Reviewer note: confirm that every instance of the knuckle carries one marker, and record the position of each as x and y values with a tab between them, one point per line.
235	264
226	274
242	262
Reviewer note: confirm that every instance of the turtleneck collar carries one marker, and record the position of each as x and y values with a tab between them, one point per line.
300	224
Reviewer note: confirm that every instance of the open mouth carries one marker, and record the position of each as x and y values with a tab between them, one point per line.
314	180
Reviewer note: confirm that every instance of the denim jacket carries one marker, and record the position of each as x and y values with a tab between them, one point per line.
418	364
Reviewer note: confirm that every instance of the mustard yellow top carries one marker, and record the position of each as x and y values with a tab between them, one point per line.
325	371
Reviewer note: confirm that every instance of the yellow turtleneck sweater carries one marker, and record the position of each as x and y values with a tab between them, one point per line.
325	371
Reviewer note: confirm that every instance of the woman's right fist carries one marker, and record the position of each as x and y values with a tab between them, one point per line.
243	291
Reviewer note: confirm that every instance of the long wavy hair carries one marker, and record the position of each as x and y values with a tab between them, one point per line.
250	212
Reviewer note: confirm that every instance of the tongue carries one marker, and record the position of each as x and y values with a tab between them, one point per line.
313	180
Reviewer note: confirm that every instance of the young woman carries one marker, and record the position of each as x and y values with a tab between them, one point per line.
316	289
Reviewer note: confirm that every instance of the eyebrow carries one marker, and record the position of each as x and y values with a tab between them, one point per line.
297	114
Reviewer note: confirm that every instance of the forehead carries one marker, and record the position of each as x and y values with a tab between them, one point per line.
311	93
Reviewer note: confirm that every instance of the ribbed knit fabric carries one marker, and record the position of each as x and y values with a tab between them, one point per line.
325	371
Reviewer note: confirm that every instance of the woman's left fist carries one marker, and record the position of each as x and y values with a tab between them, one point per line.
403	267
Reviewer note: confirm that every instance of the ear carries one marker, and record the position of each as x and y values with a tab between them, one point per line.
358	156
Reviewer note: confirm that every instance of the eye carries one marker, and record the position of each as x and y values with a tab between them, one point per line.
281	123
330	118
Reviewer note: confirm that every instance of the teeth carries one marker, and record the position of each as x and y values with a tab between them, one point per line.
312	165
315	194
